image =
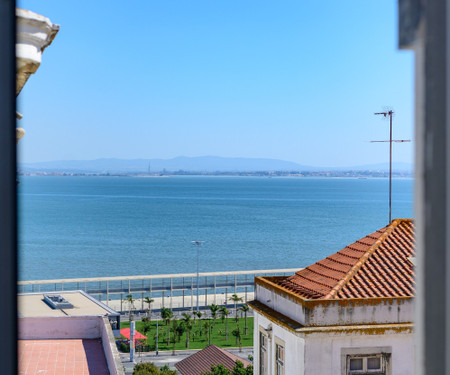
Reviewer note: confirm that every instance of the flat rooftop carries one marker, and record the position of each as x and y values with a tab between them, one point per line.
57	357
33	305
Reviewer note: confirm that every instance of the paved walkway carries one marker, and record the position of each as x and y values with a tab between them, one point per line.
166	357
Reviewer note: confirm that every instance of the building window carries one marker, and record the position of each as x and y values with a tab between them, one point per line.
279	359
373	364
263	367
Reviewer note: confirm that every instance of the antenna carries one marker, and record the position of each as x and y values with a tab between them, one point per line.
386	114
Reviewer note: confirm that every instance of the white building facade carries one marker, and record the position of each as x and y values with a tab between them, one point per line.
350	313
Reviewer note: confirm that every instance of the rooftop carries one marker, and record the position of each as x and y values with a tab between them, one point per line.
55	357
33	305
202	361
377	265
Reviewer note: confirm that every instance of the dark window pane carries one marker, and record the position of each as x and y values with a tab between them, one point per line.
374	363
356	364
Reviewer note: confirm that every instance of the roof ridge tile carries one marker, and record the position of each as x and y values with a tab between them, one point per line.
357	266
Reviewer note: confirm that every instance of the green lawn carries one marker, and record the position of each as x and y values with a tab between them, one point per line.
199	337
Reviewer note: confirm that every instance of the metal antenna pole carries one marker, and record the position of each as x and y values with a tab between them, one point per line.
385	114
390	165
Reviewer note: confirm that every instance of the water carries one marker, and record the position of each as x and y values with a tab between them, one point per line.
112	226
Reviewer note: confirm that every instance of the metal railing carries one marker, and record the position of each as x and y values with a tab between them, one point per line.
173	290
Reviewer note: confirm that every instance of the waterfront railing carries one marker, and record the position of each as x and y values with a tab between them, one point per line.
175	291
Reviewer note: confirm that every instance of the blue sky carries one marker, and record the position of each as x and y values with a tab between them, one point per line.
293	80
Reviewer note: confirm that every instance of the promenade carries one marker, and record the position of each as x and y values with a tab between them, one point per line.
174	291
177	304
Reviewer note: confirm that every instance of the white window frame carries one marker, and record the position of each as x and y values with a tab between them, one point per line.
384	352
263	370
279	344
365	370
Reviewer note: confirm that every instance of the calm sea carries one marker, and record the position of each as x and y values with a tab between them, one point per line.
113	226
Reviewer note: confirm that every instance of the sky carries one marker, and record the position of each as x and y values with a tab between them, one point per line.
291	80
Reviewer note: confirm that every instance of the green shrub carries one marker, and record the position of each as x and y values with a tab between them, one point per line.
124	347
149	368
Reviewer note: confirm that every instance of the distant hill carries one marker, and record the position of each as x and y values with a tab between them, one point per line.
204	164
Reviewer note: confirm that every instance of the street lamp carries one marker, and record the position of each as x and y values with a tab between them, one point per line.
197	243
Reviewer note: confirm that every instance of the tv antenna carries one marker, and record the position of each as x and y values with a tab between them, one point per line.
386	114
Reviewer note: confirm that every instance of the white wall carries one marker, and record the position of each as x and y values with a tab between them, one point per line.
388	310
320	354
294	347
281	304
360	312
323	354
61	327
110	349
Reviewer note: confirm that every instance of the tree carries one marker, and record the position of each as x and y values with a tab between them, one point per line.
165	370
214	309
178	330
207	326
237	333
238	369
146	325
218	370
224	312
149	368
199	314
167	315
235	298
130	300
149	302
244	308
188	323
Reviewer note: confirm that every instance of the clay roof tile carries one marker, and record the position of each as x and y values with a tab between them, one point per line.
375	266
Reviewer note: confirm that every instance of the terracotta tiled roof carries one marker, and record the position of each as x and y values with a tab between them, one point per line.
374	266
201	362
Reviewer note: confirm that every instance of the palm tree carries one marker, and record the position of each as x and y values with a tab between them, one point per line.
174	336
244	308
199	314
168	319
188	323
214	309
235	298
237	333
146	325
224	312
167	315
207	326
130	300
149	302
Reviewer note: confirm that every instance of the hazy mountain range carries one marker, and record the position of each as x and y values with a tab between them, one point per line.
205	164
